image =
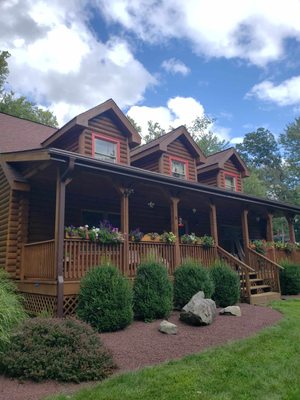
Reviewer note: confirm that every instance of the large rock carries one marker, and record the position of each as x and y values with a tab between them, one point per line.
168	328
232	310
199	311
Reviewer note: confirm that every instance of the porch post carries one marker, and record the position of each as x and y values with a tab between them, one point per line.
270	234
59	241
125	193
213	223
245	229
174	228
292	235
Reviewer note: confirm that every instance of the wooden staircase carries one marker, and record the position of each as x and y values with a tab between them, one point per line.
259	276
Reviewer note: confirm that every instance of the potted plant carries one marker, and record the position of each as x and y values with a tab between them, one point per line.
136	235
151	237
168	237
189	239
207	241
259	246
71	232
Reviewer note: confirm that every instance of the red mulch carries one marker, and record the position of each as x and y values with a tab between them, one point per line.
141	344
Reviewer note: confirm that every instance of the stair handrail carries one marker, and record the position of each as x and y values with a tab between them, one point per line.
245	269
276	267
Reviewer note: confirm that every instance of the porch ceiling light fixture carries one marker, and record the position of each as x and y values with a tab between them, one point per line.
151	204
194	210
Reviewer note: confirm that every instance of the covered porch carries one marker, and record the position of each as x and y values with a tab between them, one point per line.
52	265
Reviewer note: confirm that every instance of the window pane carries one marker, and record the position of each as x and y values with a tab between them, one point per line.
105	150
178	169
230	182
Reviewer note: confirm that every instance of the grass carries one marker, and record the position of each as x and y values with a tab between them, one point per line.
265	367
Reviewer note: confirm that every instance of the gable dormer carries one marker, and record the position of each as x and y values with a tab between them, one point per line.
224	169
102	132
174	153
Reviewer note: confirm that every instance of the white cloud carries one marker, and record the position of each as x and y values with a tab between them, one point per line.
286	93
178	111
56	60
254	30
175	67
237	140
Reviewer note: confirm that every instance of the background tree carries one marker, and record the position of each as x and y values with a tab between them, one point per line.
290	141
254	185
134	124
154	131
20	106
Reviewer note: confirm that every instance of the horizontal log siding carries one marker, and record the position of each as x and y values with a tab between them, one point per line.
209	178
69	142
178	149
4	207
105	126
150	163
231	168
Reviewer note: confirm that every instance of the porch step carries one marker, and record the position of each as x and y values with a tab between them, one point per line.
260	289
264	298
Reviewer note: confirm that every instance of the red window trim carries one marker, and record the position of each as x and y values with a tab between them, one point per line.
236	176
108	139
186	162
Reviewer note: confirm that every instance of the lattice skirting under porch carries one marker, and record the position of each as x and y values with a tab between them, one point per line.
37	303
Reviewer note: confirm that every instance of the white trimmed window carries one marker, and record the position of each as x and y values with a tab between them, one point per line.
179	169
230	182
105	150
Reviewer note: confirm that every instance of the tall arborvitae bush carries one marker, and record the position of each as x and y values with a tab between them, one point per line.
227	284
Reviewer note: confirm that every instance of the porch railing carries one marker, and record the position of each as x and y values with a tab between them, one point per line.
293	256
162	252
241	268
81	255
205	255
266	269
38	260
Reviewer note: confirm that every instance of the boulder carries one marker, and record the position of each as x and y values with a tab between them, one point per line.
232	310
168	328
199	311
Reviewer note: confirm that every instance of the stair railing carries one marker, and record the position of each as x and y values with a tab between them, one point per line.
266	269
241	268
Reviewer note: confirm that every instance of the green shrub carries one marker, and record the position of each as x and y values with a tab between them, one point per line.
227	284
60	349
290	278
189	279
152	291
11	309
105	299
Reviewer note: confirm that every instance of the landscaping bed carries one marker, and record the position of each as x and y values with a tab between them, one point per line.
141	344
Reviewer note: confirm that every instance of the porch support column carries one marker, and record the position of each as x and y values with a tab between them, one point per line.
213	223
125	193
174	228
62	180
270	234
290	220
245	229
59	242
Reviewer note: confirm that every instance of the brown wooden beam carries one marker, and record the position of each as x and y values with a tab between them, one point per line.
125	193
245	230
174	227
292	235
213	223
270	233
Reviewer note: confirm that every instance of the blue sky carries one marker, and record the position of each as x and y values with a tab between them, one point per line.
168	60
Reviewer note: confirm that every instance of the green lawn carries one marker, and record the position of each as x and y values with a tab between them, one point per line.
266	366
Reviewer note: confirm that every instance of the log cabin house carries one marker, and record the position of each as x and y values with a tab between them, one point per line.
95	168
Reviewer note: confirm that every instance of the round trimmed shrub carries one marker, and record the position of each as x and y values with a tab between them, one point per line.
105	299
227	284
189	279
290	279
11	309
50	348
152	292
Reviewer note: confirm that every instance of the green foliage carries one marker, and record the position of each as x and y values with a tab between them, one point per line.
154	131
227	284
134	124
64	350
20	106
189	279
290	278
290	141
152	291
11	309
105	299
254	185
